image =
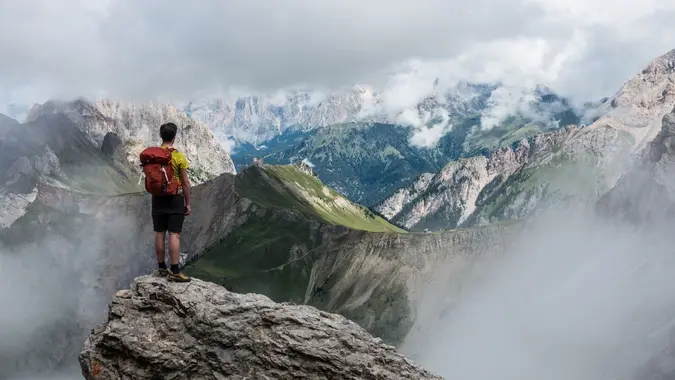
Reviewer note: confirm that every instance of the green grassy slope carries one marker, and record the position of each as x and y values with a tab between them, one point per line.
289	188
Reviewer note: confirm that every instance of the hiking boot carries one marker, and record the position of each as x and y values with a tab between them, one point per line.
161	273
178	277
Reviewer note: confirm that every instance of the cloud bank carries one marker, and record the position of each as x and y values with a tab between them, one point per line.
187	50
575	298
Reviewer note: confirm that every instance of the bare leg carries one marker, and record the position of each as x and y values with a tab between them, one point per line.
174	247
159	246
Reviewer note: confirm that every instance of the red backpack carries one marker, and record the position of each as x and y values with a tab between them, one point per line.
159	178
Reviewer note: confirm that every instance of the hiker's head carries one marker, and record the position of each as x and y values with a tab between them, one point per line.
168	132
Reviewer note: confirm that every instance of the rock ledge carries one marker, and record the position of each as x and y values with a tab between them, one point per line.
199	330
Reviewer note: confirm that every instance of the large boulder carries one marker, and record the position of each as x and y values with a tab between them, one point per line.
199	330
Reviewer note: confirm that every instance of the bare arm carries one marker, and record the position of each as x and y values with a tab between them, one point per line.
186	189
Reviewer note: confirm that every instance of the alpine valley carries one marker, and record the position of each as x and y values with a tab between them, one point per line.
368	155
331	218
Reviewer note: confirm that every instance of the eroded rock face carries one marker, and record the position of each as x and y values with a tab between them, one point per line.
137	126
199	330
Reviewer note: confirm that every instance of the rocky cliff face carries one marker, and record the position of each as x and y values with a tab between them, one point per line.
200	330
393	205
137	126
93	148
258	118
549	170
51	149
639	105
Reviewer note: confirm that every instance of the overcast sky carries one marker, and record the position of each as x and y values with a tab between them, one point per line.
188	49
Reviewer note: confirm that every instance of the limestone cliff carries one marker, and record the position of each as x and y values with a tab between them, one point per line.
138	127
160	330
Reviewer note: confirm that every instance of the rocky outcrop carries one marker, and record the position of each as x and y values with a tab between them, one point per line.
159	330
393	205
137	125
639	105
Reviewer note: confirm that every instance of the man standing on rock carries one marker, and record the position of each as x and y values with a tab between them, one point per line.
167	180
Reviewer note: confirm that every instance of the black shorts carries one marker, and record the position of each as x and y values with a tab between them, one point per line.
168	222
168	213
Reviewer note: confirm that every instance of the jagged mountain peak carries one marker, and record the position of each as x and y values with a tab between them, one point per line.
664	64
641	102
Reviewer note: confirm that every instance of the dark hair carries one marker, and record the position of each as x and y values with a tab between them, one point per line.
168	131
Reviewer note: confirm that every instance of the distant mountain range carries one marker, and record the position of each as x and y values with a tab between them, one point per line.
367	161
256	119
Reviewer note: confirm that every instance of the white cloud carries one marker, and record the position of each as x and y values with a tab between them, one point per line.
427	126
228	143
184	50
504	102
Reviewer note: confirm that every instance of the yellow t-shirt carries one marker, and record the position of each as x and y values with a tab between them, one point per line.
178	162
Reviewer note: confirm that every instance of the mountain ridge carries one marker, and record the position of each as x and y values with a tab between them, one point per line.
258	118
632	119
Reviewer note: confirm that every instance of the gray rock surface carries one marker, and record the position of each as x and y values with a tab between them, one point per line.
199	330
137	125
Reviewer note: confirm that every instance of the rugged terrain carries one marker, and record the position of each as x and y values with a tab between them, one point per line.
279	231
552	169
368	161
256	119
93	148
136	127
271	230
200	330
547	170
72	213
